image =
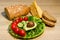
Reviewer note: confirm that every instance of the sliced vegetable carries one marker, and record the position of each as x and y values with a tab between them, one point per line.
20	24
27	28
17	20
16	30
15	23
20	19
25	18
13	26
22	33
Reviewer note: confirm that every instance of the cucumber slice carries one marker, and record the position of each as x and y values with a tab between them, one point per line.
20	24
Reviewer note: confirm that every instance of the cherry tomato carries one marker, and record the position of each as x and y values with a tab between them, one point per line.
22	33
25	18
20	19
14	23
17	20
16	30
13	26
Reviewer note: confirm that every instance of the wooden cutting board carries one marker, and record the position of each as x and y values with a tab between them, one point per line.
49	33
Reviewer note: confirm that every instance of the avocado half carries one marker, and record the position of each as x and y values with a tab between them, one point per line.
31	33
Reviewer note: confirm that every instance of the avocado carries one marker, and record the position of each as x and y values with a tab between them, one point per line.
28	28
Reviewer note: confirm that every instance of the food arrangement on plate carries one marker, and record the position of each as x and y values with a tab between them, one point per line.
30	26
27	27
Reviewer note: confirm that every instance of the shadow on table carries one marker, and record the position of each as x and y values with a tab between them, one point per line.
4	15
25	39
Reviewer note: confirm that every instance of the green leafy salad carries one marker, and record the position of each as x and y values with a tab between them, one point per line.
26	27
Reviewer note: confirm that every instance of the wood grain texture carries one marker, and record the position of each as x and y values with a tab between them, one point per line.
52	6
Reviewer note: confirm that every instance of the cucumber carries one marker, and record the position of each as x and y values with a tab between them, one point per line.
20	24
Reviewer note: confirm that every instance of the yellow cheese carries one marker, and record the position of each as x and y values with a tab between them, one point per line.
36	10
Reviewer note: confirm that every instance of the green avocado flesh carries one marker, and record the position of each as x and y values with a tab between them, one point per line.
38	30
26	28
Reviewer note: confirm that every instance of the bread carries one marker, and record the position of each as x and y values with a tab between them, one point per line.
35	10
48	23
16	11
48	17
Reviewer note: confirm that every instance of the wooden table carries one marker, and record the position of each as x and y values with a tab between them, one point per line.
53	7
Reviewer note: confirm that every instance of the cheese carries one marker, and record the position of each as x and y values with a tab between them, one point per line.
36	10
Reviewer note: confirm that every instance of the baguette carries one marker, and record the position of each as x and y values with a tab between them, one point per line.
16	11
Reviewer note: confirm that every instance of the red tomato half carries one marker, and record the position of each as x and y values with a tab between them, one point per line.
25	18
14	22
20	19
22	33
13	26
16	30
17	20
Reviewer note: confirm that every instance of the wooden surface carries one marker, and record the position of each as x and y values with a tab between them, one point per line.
52	6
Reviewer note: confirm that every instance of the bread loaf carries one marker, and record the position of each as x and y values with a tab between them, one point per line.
16	10
48	19
48	23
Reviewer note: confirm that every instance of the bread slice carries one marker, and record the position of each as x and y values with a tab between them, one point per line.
49	23
36	10
48	17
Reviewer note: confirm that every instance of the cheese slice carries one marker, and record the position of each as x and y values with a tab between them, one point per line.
36	10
